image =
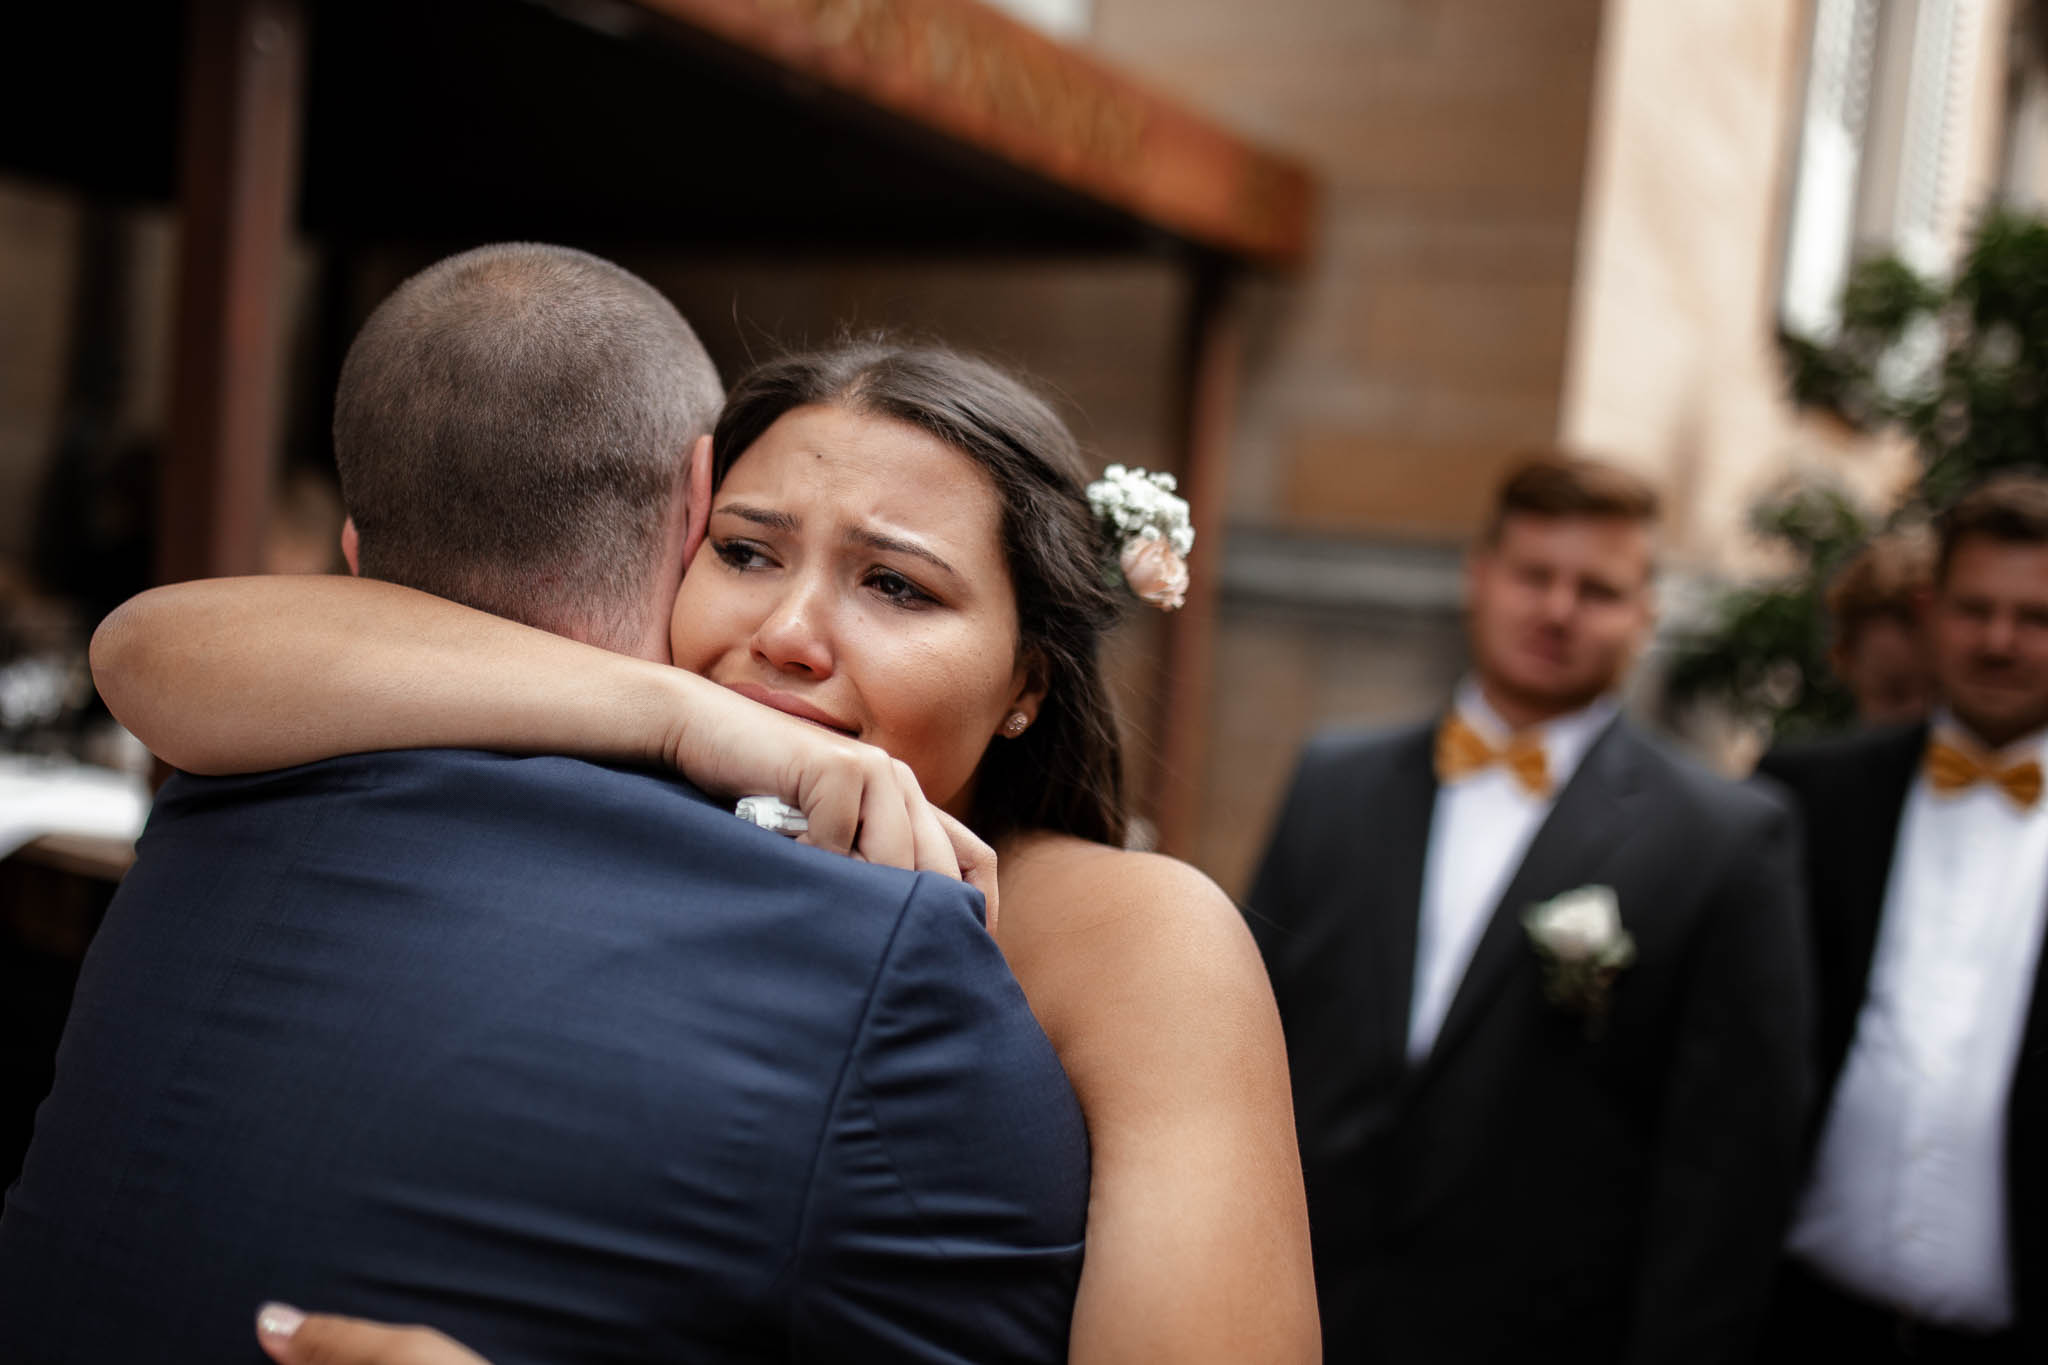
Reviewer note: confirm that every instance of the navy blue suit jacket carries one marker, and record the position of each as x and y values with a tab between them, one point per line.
562	1059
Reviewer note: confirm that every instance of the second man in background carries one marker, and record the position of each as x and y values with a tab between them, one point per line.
1544	987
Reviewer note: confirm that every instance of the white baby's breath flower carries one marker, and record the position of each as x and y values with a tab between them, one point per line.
1141	505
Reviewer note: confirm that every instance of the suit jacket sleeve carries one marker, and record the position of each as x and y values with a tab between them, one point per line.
950	1190
1726	1162
1273	905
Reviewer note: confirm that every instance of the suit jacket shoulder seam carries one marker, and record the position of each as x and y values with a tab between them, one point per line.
799	1247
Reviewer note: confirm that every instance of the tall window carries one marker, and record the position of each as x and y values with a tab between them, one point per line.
1887	89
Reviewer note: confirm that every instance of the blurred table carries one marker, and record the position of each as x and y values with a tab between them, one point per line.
67	836
83	855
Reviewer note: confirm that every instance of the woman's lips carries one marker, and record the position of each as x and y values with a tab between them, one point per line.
793	706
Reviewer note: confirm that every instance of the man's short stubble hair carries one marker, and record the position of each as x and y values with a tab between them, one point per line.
510	429
1554	484
2009	509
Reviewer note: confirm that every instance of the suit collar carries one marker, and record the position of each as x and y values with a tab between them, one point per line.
1894	758
1393	851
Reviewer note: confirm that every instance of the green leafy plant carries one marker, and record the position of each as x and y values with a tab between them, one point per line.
1764	649
1963	369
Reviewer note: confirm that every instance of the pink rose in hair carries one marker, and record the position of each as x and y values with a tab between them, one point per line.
1156	573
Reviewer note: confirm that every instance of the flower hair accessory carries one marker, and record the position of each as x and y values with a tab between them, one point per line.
1152	531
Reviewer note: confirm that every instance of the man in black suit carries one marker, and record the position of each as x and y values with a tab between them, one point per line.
1544	987
1923	1228
563	1059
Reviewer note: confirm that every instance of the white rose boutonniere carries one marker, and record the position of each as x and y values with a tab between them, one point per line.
1584	947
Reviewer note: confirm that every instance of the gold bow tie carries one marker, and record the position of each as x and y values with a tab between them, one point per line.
1951	769
1462	751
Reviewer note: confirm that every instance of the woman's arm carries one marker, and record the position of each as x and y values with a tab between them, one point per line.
247	674
1153	993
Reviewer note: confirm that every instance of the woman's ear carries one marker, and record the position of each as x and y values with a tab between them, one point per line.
1027	693
351	546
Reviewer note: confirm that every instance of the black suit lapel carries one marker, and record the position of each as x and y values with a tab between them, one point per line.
1873	809
1587	822
1392	852
2026	1193
2030	1073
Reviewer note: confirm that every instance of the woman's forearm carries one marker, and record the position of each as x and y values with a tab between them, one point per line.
241	675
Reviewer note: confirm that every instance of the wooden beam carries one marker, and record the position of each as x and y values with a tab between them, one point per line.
979	77
1214	357
238	182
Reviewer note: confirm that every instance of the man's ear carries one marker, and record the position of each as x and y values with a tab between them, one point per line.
697	492
351	546
1478	558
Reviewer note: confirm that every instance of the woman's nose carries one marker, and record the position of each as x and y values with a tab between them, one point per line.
794	636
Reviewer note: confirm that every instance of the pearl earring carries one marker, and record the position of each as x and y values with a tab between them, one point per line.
1017	724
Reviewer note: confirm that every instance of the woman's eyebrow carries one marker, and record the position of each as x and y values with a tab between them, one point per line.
760	516
875	540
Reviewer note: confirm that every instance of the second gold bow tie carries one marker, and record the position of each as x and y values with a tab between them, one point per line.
1462	751
1951	769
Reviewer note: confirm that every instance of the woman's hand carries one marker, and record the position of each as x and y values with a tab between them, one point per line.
855	797
291	1337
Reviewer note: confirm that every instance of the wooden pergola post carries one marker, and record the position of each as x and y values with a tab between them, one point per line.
238	183
1213	358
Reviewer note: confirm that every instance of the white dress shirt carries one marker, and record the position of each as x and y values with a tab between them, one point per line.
1481	827
1906	1205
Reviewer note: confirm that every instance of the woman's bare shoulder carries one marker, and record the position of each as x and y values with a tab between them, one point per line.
1098	933
1069	885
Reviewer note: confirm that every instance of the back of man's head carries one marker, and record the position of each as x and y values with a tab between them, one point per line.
512	429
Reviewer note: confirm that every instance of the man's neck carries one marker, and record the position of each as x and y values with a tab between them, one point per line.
1990	738
653	643
1521	712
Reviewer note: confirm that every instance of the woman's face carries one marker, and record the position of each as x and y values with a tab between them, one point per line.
853	575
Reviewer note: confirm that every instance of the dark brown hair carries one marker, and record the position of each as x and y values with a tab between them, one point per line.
1065	773
1553	484
510	427
2010	508
1882	581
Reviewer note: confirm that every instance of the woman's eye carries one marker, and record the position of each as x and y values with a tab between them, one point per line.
898	589
739	554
